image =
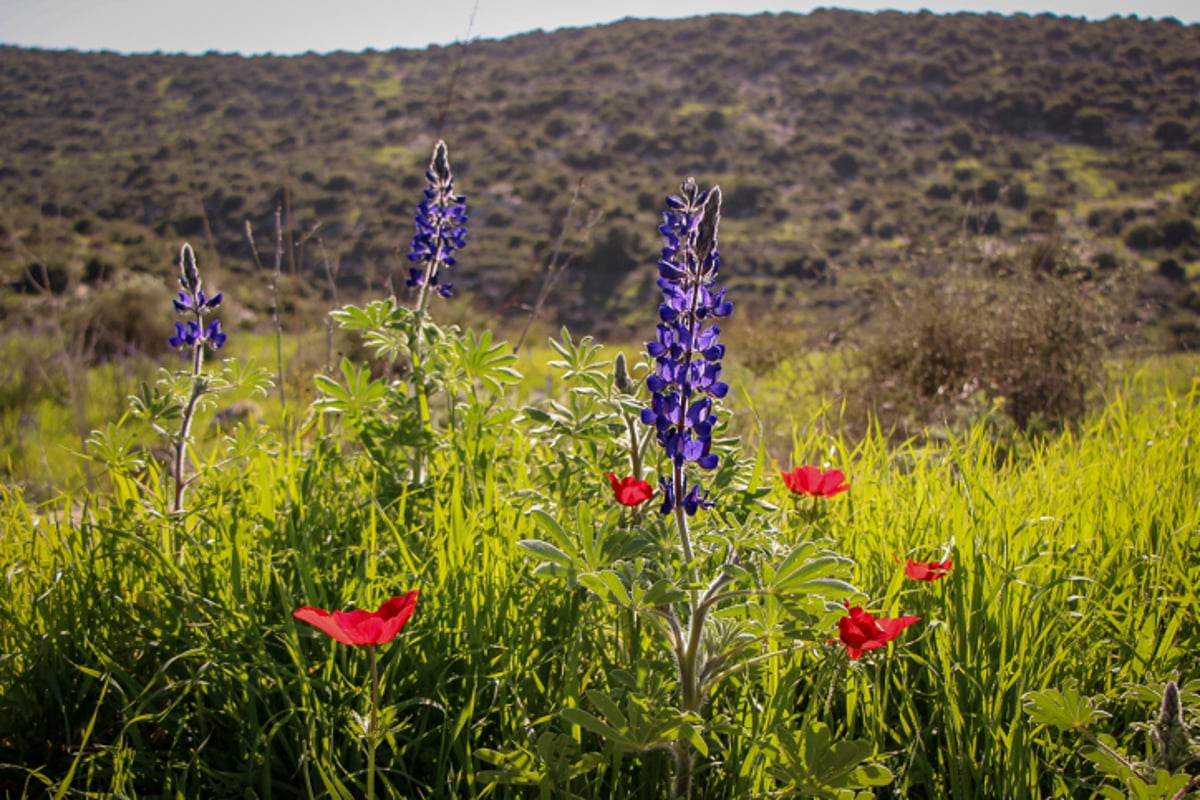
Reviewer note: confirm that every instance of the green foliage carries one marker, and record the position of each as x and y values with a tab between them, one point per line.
1157	778
813	765
1072	568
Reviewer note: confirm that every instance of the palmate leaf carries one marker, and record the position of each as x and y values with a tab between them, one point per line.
247	376
1062	708
581	361
384	325
155	404
637	728
555	760
486	363
813	765
569	554
358	394
808	578
607	585
514	767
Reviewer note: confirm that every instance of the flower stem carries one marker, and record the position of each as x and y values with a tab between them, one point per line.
189	412
416	353
681	786
373	723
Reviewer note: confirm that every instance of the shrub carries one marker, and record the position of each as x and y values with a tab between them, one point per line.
1143	236
1029	344
1172	133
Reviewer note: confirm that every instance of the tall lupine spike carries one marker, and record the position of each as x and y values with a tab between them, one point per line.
193	302
686	352
441	230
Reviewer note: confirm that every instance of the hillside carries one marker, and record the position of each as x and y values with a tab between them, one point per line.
852	149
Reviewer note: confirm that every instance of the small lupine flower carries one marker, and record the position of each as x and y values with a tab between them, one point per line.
813	482
186	302
441	226
189	334
692	502
629	491
193	301
859	631
686	353
927	570
359	627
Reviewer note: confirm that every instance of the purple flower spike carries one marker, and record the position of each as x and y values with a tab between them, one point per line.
686	350
193	302
441	224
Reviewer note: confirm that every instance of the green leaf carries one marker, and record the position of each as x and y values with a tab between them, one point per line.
814	765
589	722
556	533
357	394
1066	709
663	593
608	707
607	585
547	551
536	415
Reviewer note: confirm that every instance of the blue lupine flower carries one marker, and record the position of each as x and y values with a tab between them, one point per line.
192	300
441	226
687	356
693	501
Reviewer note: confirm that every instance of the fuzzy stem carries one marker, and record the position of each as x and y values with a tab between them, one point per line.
373	733
681	786
189	411
275	306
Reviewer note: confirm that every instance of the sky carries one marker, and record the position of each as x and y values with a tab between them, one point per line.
286	27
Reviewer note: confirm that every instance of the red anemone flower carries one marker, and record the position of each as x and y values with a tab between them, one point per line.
927	570
629	491
860	631
811	481
361	627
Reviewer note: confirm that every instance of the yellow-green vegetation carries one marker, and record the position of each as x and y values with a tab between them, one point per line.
393	155
168	648
1087	167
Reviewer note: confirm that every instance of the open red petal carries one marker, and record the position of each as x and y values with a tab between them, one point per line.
360	627
891	627
832	482
396	612
324	621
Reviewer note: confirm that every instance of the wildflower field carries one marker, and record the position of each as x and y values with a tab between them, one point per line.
436	583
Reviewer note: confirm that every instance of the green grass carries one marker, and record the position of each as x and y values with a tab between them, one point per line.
145	655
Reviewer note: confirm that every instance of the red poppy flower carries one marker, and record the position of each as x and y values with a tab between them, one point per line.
927	570
861	632
361	627
811	481
629	491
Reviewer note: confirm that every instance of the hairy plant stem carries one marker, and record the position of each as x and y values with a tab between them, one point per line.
275	305
199	386
372	723
416	352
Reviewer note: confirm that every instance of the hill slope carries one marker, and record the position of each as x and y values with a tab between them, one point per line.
850	147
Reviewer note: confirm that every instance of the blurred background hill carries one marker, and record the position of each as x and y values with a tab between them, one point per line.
859	154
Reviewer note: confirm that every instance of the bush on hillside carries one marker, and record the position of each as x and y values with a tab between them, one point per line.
1022	339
